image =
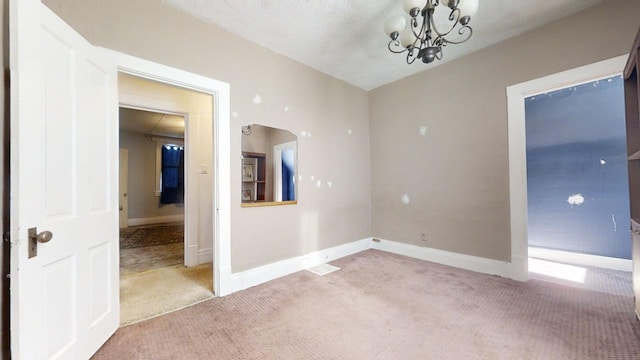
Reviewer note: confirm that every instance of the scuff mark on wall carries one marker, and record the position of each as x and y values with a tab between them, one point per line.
405	199
286	108
257	99
330	184
319	183
576	199
349	131
615	225
603	162
423	131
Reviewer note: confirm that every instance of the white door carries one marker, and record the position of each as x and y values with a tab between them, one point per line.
64	178
124	187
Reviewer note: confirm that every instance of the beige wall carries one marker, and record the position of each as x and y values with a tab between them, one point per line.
316	103
456	176
142	178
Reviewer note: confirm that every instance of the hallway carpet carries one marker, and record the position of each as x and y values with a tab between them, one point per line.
150	247
152	293
385	306
151	235
147	258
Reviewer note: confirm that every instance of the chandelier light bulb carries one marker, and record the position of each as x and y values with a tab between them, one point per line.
409	5
468	7
395	24
407	39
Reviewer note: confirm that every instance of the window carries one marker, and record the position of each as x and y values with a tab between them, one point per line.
162	143
172	175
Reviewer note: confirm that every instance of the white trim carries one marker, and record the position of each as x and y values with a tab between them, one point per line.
262	274
467	262
155	220
567	257
517	151
220	92
205	256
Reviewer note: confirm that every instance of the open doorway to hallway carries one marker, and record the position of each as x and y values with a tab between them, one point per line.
577	191
166	246
151	211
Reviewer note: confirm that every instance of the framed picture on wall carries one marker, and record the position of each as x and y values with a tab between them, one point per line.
247	172
246	195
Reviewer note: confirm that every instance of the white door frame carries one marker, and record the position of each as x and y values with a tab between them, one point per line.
123	215
516	95
220	94
277	167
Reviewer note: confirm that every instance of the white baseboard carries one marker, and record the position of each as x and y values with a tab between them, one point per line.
155	220
468	262
205	256
581	259
252	277
262	274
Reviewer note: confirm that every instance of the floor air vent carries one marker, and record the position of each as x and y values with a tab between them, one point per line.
323	269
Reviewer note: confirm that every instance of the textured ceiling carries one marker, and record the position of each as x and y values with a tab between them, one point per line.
345	39
151	123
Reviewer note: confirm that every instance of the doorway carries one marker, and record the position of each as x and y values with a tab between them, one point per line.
166	253
516	95
577	186
152	234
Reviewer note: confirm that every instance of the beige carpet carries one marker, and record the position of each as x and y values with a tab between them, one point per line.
141	259
152	234
149	247
151	293
383	306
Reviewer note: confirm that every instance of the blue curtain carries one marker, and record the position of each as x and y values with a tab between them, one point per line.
172	175
288	189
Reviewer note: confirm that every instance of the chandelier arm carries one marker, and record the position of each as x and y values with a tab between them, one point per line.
465	29
453	16
411	57
397	45
414	26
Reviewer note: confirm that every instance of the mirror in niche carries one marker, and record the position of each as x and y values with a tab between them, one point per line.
269	166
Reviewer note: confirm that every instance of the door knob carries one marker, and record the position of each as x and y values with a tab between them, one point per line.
35	237
44	237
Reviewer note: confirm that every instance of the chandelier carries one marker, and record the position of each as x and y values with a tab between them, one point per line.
424	38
